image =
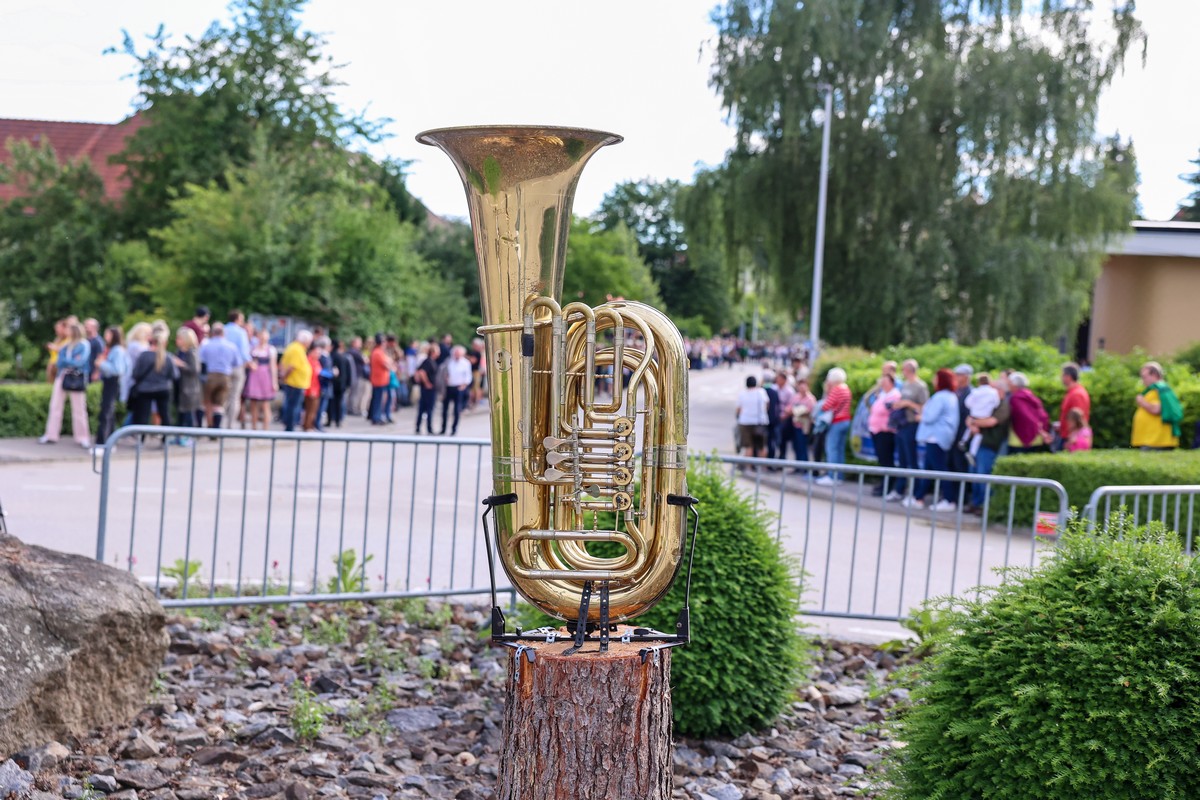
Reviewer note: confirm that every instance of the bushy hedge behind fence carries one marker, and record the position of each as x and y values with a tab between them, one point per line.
23	409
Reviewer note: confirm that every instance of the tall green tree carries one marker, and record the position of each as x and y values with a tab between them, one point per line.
263	240
969	195
692	279
603	265
1190	210
209	99
53	240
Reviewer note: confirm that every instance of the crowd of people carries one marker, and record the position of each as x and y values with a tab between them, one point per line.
227	374
963	425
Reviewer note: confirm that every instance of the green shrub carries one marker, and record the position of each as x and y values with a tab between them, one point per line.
1078	679
1189	357
1082	473
747	652
23	409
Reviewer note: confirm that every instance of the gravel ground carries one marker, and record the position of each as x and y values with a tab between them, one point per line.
404	700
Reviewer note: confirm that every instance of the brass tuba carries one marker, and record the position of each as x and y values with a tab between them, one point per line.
562	456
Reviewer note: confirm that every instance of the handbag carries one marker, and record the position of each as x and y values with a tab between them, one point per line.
73	380
824	420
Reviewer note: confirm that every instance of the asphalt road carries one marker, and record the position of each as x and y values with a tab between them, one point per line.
232	506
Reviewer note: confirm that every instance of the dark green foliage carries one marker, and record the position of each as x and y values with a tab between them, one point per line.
1190	355
1082	473
1079	680
23	409
1189	211
747	652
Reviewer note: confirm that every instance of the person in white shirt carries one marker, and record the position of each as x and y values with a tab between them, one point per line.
458	384
752	418
235	334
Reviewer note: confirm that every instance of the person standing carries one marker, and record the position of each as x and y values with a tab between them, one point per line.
752	418
879	424
1030	423
787	400
113	369
53	348
804	406
235	334
296	374
262	382
476	357
343	372
458	383
381	379
91	330
221	360
360	378
426	378
939	423
70	383
1076	397
189	397
153	375
914	394
1156	422
963	374
773	406
838	402
199	323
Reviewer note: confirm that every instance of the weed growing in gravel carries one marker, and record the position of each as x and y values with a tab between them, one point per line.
264	637
331	632
378	655
308	714
417	611
351	575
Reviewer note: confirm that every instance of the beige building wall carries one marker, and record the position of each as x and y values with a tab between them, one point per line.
1151	302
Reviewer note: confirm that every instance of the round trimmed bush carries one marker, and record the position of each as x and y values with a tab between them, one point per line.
1078	679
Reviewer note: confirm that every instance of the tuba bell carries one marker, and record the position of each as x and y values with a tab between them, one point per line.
564	457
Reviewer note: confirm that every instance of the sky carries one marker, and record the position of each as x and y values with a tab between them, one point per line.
639	68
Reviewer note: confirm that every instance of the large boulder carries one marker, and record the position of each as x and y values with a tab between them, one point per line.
80	645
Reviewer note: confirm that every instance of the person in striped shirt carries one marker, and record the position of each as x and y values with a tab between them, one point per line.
837	405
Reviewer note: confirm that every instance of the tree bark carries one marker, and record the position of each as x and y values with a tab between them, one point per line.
589	726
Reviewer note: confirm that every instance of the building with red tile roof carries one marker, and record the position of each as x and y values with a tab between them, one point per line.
71	141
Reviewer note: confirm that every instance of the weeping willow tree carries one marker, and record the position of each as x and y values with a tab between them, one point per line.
969	194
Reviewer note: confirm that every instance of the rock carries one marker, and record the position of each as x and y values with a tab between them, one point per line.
14	779
141	747
217	755
71	628
103	783
192	737
413	720
862	759
851	770
297	791
145	778
725	791
845	696
47	757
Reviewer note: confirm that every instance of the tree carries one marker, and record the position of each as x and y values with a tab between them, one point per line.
605	265
1190	210
692	280
53	240
208	99
968	195
337	256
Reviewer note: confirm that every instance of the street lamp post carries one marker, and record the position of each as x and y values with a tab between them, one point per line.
814	329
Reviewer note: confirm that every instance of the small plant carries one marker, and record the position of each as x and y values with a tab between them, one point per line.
1078	680
331	632
308	714
88	793
264	637
350	577
183	572
929	624
418	611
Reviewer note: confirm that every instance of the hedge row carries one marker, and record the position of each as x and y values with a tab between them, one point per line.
1113	381
1082	473
23	409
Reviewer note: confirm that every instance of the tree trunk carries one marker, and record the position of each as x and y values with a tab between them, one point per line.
589	726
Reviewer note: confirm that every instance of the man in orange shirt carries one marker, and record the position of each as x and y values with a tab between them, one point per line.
381	379
1076	397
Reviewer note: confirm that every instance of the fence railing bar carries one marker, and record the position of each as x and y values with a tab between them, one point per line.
412	516
476	504
879	550
854	543
454	519
829	546
162	518
317	527
187	544
958	526
217	512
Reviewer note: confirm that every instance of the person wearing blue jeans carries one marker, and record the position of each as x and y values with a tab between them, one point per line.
939	422
835	445
293	404
985	459
914	393
994	431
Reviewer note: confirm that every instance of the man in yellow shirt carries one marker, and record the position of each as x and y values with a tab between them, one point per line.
1156	421
295	374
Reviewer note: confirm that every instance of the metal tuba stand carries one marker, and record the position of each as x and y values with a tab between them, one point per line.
580	629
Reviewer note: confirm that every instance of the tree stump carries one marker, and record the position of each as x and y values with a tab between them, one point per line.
588	726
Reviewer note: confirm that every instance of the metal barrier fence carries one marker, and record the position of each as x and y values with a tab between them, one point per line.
867	558
1173	506
267	517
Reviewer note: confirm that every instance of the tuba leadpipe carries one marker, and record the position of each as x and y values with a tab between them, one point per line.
569	456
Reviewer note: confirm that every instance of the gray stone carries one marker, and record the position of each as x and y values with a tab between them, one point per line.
104	783
71	628
852	770
845	696
14	779
725	791
46	757
413	720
